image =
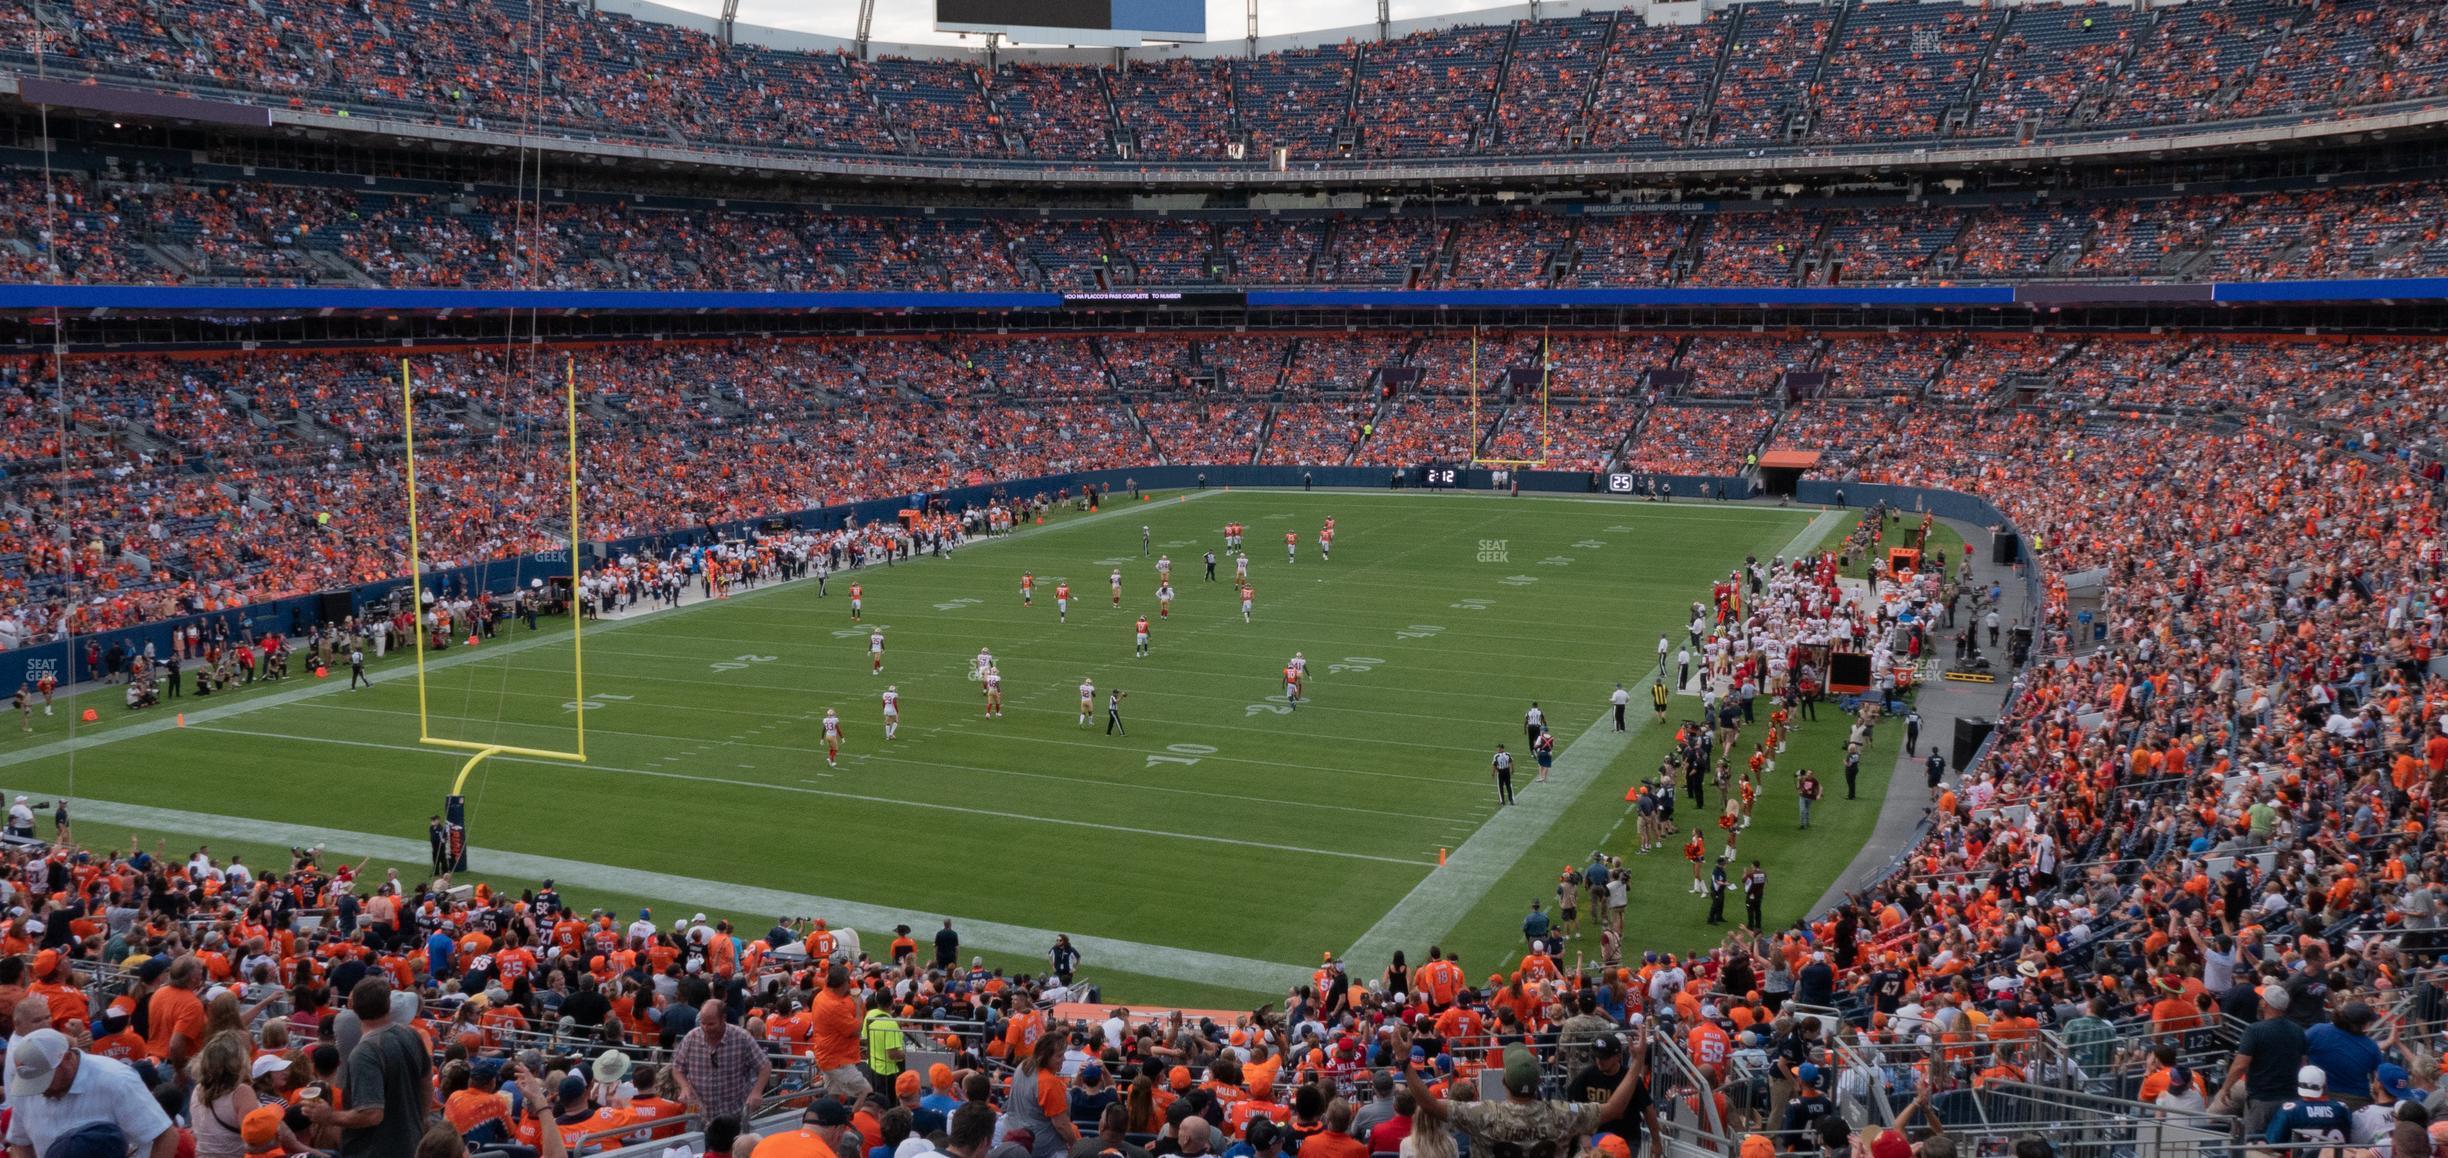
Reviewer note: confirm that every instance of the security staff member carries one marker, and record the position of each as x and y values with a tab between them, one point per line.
1503	767
1621	699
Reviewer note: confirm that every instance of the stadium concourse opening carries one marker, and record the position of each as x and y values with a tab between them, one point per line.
1953	659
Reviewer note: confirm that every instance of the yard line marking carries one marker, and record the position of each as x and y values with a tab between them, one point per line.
861	797
1128	956
194	716
1450	891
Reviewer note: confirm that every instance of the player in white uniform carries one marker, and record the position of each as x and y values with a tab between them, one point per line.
1087	700
1164	601
875	651
985	663
1116	580
1164	569
832	738
993	681
892	710
1241	569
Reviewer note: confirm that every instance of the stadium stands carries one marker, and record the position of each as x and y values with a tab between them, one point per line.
1859	72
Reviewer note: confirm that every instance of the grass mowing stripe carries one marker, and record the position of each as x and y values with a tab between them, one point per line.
1102	783
857	796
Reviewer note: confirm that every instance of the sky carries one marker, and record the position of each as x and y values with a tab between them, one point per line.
912	21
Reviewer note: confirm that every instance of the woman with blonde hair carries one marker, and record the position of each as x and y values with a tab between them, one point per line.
223	1096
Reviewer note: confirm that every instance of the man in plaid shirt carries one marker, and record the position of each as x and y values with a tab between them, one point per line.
719	1069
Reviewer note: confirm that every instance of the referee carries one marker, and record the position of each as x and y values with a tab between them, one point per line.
357	673
1503	766
1113	712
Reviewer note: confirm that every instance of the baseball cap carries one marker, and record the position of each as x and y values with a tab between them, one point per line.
270	1063
1606	1045
907	1083
2394	1079
2311	1081
1262	1133
1521	1072
829	1112
1807	1074
32	1059
261	1126
1613	1146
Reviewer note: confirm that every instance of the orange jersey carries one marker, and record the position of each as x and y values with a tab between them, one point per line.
856	591
1062	591
1143	625
1027	581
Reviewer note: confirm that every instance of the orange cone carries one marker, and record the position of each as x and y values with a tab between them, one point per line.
1440	858
182	719
471	639
91	715
322	672
1631	795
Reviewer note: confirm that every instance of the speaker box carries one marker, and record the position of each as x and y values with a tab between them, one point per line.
1969	733
2006	548
334	606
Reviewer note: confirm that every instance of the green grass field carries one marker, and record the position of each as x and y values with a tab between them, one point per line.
1226	823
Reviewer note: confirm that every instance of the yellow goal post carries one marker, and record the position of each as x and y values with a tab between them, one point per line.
480	750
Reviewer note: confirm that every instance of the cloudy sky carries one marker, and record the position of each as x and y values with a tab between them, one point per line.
912	21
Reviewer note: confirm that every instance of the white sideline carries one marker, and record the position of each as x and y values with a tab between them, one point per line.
1429	910
750	902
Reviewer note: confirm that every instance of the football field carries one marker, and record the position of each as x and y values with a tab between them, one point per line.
1211	855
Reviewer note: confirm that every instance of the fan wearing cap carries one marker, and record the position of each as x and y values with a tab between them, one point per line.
1595	1081
2311	1116
1524	1119
55	1091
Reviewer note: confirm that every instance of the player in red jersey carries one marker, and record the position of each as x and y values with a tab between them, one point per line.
1291	545
1028	589
1062	599
857	608
1247	595
1143	636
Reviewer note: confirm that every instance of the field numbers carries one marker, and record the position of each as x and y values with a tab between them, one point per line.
1355	664
741	662
1619	529
1118	561
1556	561
1589	544
1271	706
1182	754
1472	605
1518	580
596	702
859	632
957	604
1422	630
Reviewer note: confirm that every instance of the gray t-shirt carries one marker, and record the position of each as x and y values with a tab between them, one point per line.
389	1065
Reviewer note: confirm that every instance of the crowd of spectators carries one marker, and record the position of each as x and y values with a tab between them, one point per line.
108	230
1609	80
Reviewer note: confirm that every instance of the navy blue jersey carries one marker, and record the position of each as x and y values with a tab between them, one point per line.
2301	1120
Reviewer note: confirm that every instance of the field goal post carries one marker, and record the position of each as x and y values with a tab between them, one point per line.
454	851
1477	384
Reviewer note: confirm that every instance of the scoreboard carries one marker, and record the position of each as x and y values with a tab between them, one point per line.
1111	23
